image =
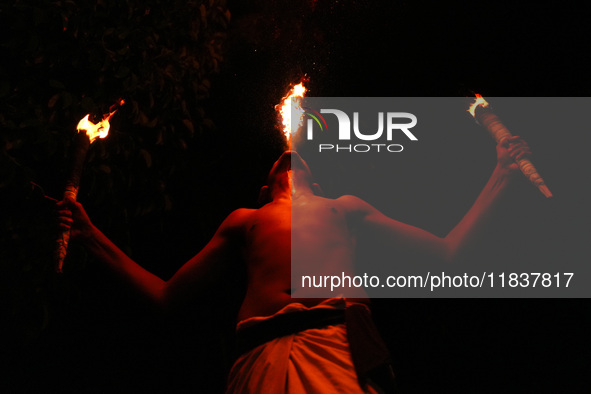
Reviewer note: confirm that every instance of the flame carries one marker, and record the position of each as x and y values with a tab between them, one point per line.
480	101
285	110
100	129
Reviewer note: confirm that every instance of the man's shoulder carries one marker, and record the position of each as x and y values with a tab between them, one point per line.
237	220
353	203
240	215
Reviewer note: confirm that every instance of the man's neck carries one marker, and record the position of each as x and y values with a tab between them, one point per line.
299	185
295	187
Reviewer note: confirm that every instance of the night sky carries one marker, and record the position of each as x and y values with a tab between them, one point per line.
109	341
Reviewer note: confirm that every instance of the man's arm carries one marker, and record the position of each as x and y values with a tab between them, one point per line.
403	237
207	264
223	252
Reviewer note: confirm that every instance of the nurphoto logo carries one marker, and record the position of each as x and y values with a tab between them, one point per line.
388	125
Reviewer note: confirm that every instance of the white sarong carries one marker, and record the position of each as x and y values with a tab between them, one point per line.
316	360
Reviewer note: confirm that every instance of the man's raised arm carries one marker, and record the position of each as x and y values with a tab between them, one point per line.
207	264
402	237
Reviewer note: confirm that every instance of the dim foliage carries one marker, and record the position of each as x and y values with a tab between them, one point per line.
60	60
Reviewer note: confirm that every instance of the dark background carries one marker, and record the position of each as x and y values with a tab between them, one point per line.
195	141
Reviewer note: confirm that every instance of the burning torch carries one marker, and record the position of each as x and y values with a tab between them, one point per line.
88	132
481	111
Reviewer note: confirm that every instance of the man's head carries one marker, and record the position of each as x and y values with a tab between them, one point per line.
289	170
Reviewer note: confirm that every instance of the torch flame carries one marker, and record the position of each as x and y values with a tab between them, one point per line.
285	110
100	129
480	101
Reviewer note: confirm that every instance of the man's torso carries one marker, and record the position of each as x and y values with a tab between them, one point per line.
308	235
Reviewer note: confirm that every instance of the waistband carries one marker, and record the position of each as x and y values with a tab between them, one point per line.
292	319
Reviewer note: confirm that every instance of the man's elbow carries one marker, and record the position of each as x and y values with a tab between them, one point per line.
161	297
169	298
448	251
456	251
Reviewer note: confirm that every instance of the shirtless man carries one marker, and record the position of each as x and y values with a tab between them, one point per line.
323	233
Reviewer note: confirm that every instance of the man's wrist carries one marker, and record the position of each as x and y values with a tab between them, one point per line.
88	233
505	171
502	176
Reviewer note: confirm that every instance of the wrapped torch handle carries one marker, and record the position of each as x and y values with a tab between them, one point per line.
80	147
499	132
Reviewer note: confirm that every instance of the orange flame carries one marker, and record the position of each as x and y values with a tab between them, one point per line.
285	110
480	101
100	129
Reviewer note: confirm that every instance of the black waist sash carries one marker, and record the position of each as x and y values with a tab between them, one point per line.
369	353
